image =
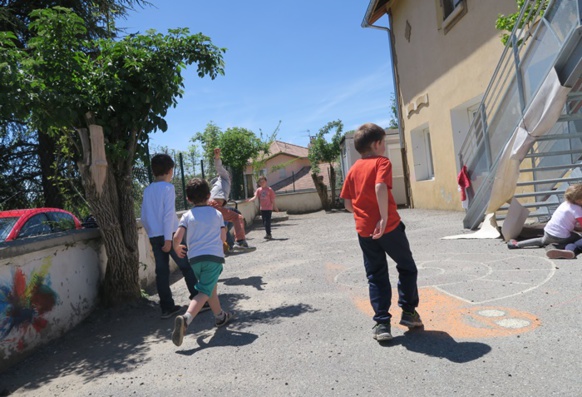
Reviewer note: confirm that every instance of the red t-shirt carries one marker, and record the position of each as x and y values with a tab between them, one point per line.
360	187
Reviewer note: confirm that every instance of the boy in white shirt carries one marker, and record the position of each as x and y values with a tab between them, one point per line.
205	234
158	216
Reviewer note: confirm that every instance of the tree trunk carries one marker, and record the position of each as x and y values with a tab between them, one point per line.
321	190
332	183
114	213
46	154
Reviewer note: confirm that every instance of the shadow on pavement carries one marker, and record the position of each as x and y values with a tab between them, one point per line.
222	337
253	281
440	344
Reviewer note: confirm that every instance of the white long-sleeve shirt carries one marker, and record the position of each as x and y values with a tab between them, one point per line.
158	210
221	184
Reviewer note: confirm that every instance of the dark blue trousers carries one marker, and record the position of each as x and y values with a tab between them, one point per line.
163	273
396	245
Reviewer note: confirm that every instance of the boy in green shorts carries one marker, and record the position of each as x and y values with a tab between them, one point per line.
205	235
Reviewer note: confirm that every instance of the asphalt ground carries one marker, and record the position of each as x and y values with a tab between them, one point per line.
498	322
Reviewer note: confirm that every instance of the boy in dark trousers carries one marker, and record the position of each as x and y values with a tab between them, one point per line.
159	219
367	193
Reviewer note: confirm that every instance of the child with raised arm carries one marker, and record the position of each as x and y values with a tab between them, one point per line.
205	234
266	197
560	229
218	198
367	193
159	219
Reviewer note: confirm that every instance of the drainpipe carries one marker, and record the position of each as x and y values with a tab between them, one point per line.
367	24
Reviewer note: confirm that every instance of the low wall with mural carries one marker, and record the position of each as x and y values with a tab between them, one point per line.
49	284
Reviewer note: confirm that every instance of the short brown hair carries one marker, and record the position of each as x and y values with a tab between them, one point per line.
366	135
573	193
262	177
161	164
197	191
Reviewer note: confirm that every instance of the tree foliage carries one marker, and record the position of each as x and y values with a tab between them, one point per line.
238	147
506	23
51	179
102	98
323	151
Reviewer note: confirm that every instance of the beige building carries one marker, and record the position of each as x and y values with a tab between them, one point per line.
444	55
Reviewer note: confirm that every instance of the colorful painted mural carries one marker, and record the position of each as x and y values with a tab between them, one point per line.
24	301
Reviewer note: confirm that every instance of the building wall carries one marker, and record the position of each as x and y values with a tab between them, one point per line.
291	164
349	156
441	76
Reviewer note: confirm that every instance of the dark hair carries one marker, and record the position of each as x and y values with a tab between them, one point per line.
366	135
197	190
161	164
262	177
573	193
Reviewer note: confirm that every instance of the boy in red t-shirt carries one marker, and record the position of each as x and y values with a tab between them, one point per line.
367	193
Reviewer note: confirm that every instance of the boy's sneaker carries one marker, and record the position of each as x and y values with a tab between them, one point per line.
227	317
170	312
411	319
555	253
179	330
268	237
381	332
243	246
512	244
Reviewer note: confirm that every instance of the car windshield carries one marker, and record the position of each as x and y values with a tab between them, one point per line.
6	225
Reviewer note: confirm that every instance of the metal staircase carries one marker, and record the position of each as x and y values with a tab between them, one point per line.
543	41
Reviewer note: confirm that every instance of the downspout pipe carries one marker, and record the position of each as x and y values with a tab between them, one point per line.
366	24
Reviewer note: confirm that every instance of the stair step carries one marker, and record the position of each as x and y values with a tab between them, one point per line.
557	153
552	167
537	204
540	193
555	137
553	180
570	117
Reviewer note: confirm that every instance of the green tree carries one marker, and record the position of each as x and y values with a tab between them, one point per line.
394	117
322	151
238	147
507	23
105	97
51	174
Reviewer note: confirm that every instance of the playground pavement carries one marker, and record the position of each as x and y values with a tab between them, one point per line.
498	322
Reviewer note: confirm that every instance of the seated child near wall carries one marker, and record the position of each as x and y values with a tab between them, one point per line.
560	228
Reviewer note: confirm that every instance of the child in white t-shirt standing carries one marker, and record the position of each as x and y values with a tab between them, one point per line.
266	196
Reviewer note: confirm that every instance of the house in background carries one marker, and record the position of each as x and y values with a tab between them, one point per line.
444	53
287	169
349	155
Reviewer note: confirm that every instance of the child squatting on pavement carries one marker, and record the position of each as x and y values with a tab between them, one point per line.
367	193
205	234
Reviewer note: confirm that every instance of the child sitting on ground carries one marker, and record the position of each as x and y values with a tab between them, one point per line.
205	233
560	228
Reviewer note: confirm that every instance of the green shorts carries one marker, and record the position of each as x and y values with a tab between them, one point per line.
207	273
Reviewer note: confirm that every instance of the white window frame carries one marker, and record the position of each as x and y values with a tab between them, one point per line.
422	154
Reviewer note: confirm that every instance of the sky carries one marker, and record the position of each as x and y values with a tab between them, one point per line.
304	63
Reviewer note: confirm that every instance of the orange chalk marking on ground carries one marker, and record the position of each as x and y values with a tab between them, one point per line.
460	319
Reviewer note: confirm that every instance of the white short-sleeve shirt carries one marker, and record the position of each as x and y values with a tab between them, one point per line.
203	226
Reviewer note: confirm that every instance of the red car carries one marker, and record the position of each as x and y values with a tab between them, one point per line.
19	224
